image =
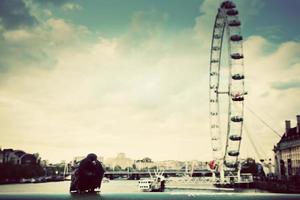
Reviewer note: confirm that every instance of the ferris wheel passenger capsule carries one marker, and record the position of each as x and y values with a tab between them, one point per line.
235	138
238	97
228	5
217	36
237	119
216	48
214	61
214	138
232	12
238	77
236	56
234	23
236	38
218	25
231	164
233	153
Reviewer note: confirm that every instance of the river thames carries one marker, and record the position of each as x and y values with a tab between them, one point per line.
123	189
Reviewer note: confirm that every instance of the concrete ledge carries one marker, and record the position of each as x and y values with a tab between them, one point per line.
153	196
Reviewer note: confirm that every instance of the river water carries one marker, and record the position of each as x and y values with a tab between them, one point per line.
123	189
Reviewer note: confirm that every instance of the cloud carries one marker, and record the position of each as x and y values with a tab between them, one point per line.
272	71
71	7
119	94
15	14
50	2
205	22
293	84
38	46
144	26
274	32
208	9
250	9
147	87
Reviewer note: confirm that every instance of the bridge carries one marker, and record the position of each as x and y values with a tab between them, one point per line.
136	175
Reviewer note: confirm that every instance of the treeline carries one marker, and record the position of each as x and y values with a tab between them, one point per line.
12	171
130	169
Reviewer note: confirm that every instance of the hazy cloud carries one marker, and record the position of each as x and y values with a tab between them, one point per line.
71	7
293	84
250	8
15	14
119	94
50	2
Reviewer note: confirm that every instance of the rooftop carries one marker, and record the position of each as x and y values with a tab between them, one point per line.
291	135
289	140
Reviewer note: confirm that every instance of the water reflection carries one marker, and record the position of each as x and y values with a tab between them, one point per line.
121	189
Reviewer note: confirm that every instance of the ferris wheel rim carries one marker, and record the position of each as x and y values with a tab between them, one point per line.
226	19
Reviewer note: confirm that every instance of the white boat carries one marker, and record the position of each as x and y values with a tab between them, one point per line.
145	185
155	183
152	184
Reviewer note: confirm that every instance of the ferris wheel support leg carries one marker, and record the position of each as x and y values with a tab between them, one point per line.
222	176
222	179
239	173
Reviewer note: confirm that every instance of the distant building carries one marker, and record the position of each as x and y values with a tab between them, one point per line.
287	152
18	157
170	164
180	165
121	160
144	163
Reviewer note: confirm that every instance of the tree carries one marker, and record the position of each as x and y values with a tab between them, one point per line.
117	168
107	168
147	160
134	166
129	169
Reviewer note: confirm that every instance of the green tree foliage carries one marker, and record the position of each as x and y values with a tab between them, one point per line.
147	160
11	171
118	168
134	166
107	168
130	169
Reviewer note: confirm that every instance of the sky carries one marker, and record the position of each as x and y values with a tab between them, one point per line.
110	76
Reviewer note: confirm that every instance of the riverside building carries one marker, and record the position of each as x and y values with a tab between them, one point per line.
287	152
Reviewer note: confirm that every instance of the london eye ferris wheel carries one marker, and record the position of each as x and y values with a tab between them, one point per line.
227	28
